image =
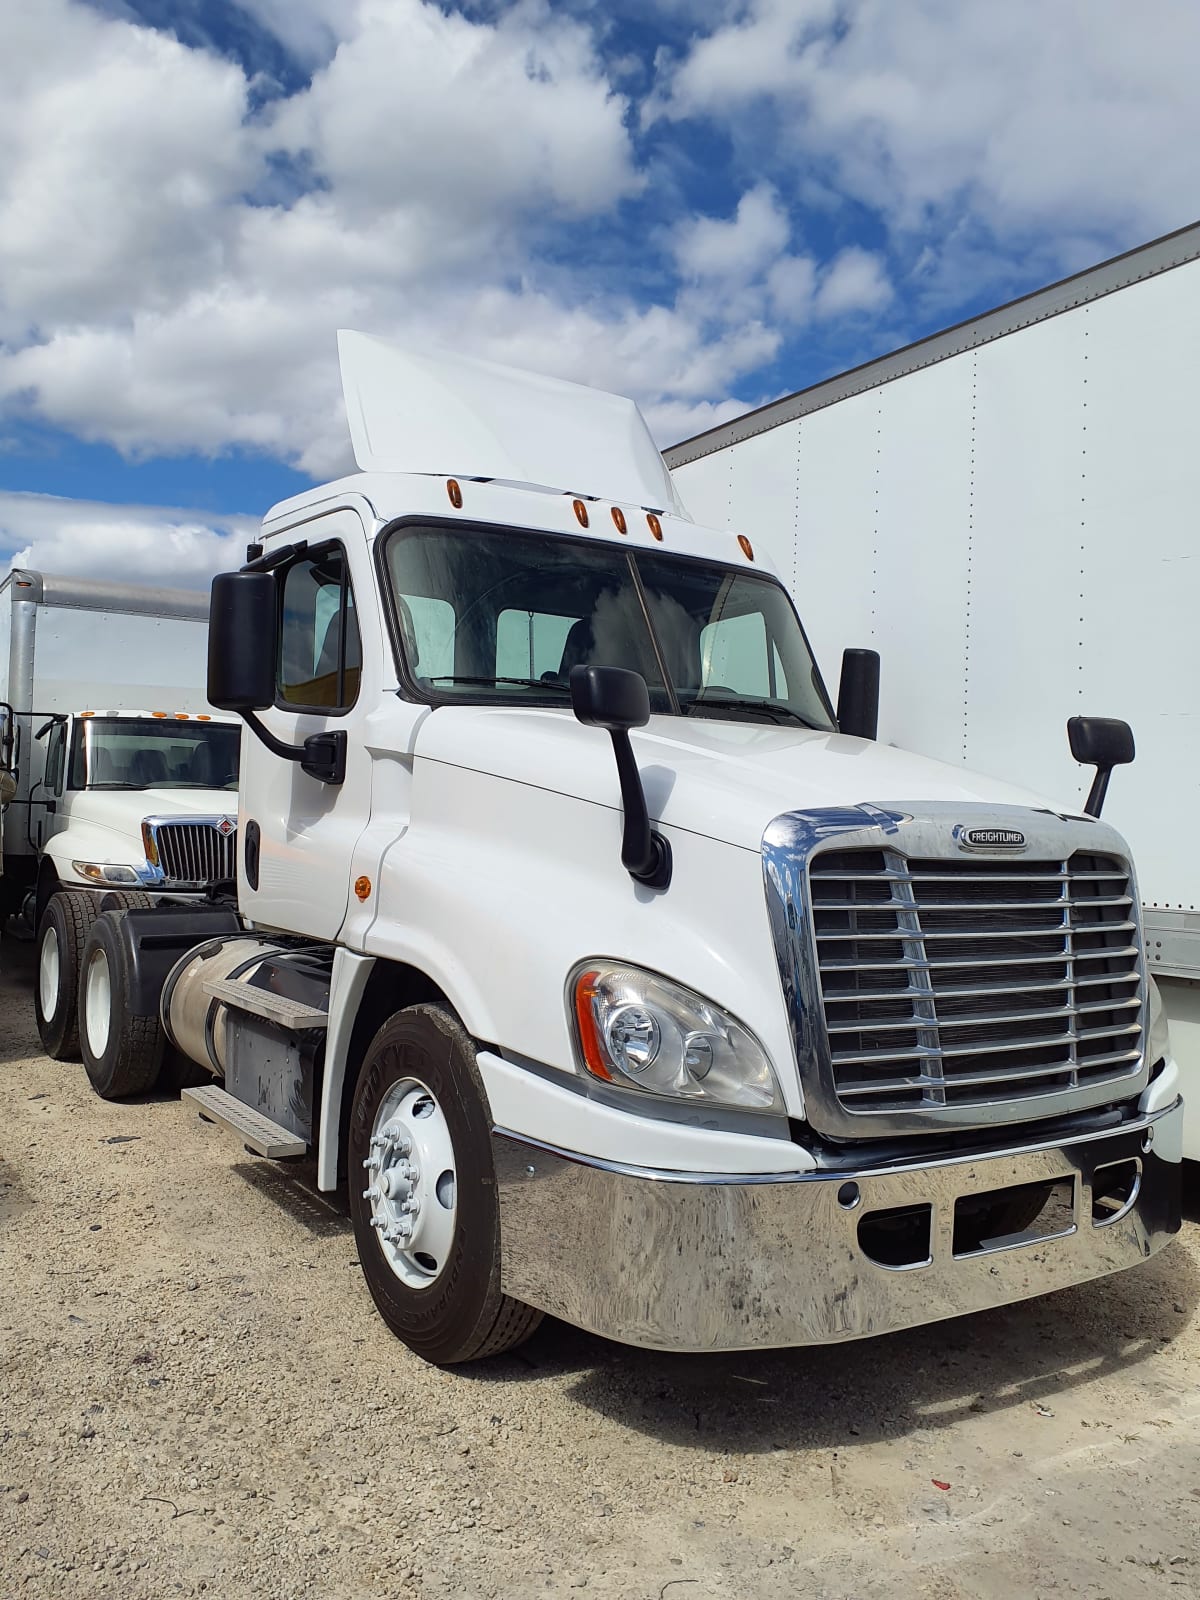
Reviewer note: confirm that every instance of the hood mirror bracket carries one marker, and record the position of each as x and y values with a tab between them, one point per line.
617	700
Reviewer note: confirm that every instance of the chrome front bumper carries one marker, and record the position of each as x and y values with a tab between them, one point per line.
673	1261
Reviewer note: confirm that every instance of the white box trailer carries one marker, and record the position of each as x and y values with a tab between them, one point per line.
1007	512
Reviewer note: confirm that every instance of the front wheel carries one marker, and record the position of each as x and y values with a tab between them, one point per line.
68	916
122	1051
423	1192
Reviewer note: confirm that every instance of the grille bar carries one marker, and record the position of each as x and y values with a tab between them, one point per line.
193	854
905	949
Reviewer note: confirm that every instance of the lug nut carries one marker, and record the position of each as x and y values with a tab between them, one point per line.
372	1193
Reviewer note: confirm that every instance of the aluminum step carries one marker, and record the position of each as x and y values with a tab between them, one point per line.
257	1133
293	1015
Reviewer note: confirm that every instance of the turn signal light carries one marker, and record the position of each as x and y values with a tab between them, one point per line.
589	1038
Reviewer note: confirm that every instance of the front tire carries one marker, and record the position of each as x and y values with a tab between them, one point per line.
423	1192
63	928
122	1052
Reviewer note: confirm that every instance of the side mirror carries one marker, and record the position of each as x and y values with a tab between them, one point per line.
241	641
1103	743
858	694
610	697
617	700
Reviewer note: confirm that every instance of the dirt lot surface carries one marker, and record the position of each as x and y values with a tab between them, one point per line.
196	1397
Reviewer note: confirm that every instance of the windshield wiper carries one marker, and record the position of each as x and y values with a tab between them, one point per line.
521	683
766	708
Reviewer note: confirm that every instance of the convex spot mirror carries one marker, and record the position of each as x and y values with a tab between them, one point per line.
610	697
241	641
1103	743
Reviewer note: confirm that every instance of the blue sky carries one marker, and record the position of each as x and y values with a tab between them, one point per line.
703	203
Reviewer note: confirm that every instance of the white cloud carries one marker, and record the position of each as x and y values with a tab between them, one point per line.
1080	115
855	280
138	544
738	249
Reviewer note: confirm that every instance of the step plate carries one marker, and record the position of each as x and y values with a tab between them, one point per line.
258	1133
291	1014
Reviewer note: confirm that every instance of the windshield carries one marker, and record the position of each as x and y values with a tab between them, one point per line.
153	753
499	615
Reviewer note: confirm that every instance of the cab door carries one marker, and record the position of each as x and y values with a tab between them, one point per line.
297	834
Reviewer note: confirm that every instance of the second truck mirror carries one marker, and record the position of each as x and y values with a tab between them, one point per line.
1103	743
858	694
241	641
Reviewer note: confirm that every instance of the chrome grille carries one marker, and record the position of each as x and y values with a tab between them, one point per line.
959	983
195	852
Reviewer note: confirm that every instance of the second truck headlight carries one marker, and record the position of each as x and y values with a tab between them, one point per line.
105	872
641	1031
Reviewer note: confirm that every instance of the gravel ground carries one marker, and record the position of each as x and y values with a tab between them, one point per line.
196	1397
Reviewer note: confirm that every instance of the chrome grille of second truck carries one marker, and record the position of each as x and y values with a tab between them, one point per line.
195	852
959	982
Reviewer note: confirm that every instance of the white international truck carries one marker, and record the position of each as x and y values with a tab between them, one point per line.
614	978
121	778
1007	513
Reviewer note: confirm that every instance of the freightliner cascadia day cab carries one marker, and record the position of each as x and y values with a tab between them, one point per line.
613	976
122	778
1029	479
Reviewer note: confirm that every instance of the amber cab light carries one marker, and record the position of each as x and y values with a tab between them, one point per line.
654	525
618	519
455	492
580	513
747	547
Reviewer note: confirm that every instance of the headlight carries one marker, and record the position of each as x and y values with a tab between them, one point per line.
1160	1042
644	1032
105	872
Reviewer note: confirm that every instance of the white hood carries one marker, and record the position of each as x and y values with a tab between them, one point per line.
123	810
725	780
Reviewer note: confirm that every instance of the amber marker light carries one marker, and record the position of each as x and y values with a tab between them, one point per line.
654	525
619	519
580	513
589	1039
455	493
747	547
362	887
161	714
201	717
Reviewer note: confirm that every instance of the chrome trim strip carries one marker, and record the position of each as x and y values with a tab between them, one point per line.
922	1162
926	832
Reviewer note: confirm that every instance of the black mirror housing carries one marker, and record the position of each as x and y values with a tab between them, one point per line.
241	641
610	697
1103	743
1100	741
858	694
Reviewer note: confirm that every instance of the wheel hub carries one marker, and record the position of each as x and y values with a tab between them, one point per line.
412	1183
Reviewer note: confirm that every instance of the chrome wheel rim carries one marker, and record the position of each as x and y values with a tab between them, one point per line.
412	1183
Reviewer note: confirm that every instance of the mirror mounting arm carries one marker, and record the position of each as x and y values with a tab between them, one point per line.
321	756
645	855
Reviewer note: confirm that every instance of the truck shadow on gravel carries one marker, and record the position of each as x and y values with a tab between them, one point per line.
1019	1357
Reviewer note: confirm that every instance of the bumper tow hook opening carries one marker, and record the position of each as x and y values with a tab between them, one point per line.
897	1238
1114	1189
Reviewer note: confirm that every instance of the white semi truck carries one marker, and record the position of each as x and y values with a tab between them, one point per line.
616	979
121	778
1007	513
